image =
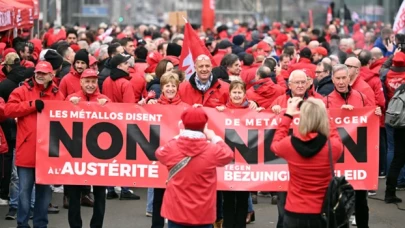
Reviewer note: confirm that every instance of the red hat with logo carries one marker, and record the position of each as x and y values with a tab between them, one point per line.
194	119
89	73
44	67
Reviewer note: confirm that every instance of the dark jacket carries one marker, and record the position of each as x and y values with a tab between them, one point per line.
65	69
237	49
101	64
325	86
155	86
17	75
104	74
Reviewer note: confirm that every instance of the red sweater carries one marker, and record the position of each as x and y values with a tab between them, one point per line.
308	164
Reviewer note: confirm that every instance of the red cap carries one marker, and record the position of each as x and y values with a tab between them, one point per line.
89	73
263	46
44	67
194	119
75	47
92	60
320	50
281	39
399	59
7	51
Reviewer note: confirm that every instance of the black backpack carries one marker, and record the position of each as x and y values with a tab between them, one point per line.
338	204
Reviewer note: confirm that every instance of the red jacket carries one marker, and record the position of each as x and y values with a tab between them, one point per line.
119	90
376	66
360	85
163	100
21	105
88	97
219	55
373	80
302	64
282	99
353	97
140	66
216	95
2	75
3	141
70	83
264	92
309	169
396	75
248	76
27	63
138	83
197	178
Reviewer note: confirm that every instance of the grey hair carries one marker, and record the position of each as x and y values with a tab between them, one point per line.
339	67
103	51
93	47
83	45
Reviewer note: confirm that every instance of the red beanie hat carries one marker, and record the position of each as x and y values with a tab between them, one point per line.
194	119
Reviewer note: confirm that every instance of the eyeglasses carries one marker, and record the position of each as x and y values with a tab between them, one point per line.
350	66
299	82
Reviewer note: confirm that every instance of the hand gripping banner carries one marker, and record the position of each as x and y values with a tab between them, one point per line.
115	144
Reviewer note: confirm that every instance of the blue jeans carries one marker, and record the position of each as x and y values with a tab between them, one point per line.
175	225
149	201
390	153
250	203
13	203
123	189
43	195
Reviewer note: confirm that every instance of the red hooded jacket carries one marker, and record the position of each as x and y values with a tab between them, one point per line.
119	90
219	55
21	105
70	83
84	97
396	74
308	164
138	83
303	63
264	92
373	80
216	95
197	178
248	76
353	97
360	85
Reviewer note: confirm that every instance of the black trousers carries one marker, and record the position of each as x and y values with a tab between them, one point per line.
383	151
6	162
282	197
361	209
397	162
303	221
157	220
235	209
74	215
86	189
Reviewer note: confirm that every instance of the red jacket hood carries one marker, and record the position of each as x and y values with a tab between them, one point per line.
192	147
376	66
366	73
74	72
264	87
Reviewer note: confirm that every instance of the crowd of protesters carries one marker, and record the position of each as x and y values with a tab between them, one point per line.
258	68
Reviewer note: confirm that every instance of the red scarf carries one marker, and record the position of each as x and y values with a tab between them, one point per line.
230	105
166	101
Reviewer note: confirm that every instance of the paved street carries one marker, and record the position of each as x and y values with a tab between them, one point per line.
131	214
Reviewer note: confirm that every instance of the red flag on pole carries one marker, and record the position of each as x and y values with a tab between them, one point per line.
399	23
193	46
311	19
329	15
208	14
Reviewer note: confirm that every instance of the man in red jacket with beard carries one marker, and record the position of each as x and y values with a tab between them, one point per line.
24	103
264	91
88	93
345	97
71	82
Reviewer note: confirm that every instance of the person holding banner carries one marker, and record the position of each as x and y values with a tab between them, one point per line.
307	155
192	158
89	93
235	204
344	97
24	103
169	84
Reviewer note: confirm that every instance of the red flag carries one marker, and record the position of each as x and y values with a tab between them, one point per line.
193	46
329	15
399	23
311	19
208	14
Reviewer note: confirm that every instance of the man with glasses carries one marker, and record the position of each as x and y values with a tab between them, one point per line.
356	82
324	84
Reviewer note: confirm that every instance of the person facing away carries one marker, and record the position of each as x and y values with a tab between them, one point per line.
197	178
307	154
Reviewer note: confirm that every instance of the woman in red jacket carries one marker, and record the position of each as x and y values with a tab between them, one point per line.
235	205
306	152
190	197
169	84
